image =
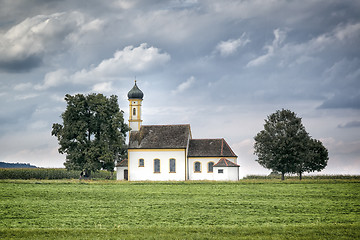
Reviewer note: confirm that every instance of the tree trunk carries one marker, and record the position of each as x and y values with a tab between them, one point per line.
87	174
300	175
282	176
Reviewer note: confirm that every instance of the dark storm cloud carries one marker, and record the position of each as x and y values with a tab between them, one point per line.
343	101
20	65
29	43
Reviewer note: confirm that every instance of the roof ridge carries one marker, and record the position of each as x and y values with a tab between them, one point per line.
229	147
226	162
162	125
222	147
206	138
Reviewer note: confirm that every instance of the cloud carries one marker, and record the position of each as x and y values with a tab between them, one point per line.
23	86
341	147
184	85
24	46
53	79
348	31
229	47
343	36
342	101
125	62
102	87
352	124
279	37
342	81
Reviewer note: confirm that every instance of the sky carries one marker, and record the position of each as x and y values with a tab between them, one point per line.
221	66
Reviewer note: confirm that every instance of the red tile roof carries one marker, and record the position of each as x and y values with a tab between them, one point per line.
122	163
223	162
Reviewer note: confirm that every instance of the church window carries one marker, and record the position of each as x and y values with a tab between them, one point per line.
156	165
141	162
220	170
172	163
134	111
210	167
197	166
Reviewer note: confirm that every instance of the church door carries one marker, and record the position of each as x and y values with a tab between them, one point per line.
125	174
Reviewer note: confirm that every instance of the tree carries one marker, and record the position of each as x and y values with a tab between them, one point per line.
284	145
92	134
315	160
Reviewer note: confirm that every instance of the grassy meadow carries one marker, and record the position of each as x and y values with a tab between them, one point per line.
248	209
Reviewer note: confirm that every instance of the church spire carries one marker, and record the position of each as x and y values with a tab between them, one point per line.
135	92
135	96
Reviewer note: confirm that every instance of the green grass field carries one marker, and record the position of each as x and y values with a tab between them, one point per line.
248	209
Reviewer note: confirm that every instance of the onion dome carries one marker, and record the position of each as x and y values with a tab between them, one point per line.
135	93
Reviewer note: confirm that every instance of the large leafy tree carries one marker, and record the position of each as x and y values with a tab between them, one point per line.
92	134
284	146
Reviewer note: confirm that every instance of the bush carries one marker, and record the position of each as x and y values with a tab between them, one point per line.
48	173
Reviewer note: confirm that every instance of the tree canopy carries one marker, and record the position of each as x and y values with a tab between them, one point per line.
284	146
92	134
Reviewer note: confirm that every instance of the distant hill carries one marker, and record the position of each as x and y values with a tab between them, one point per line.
16	165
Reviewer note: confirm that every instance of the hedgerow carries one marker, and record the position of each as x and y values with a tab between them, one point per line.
48	173
304	177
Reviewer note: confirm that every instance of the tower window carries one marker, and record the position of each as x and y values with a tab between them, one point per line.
141	162
134	111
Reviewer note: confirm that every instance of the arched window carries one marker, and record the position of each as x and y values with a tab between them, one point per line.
134	111
197	166
156	165
141	162
172	164
210	167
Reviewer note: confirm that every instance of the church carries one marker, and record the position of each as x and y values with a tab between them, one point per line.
169	153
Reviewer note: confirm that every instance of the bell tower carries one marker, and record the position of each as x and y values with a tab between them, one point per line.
135	96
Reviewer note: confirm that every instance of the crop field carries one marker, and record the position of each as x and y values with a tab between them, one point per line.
248	209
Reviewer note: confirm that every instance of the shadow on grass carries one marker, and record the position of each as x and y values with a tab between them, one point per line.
310	231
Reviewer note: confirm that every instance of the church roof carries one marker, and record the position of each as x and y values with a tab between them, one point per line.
160	137
210	148
223	162
135	93
122	163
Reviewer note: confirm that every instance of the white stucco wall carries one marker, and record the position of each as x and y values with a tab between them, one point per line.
120	173
137	173
204	174
134	126
229	174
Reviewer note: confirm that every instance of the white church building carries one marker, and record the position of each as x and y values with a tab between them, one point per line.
169	153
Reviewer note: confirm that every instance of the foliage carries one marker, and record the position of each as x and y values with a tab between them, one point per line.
326	177
316	159
47	173
93	132
284	146
16	165
180	210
